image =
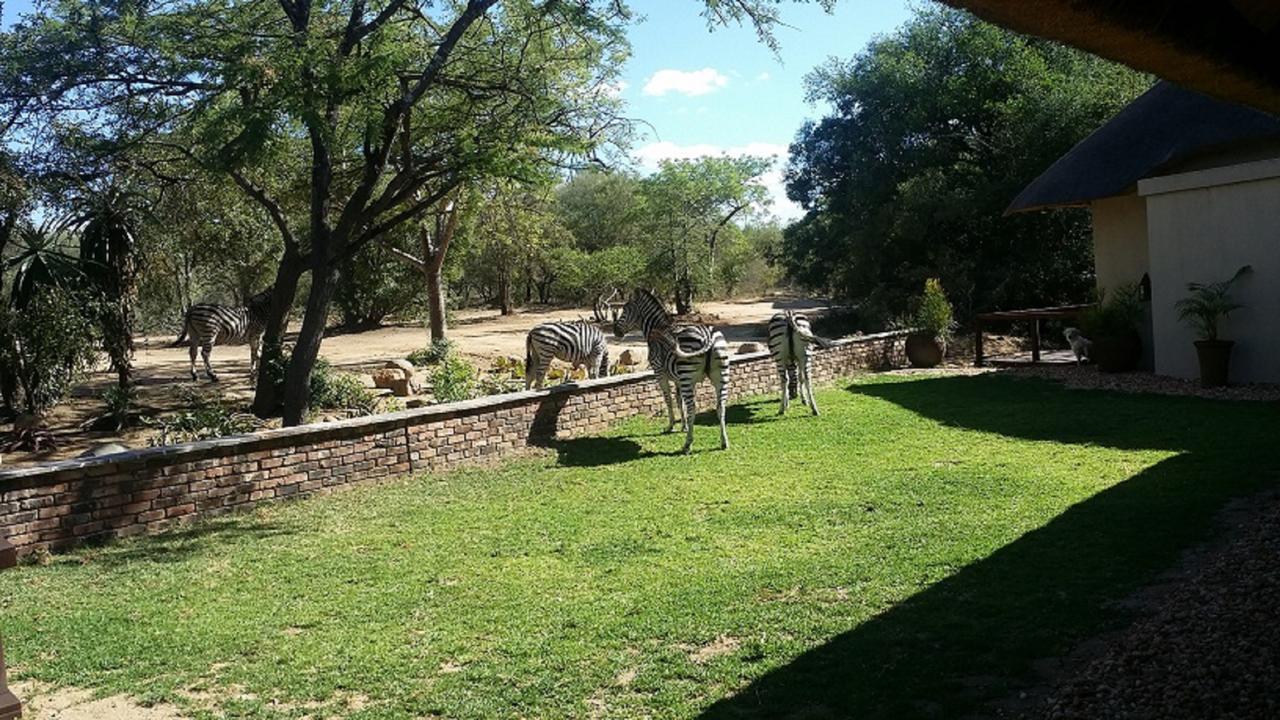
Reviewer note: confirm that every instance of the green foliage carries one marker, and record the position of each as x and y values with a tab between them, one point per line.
1115	314
933	130
933	311
332	389
1208	304
49	343
120	401
997	514
207	416
433	354
453	379
377	286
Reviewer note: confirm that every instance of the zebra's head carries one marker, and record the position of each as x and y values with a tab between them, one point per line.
643	311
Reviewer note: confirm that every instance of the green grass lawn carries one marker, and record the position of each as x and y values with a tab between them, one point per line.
907	554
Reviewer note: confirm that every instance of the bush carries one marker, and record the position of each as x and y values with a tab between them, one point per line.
376	285
1113	316
48	346
208	416
933	313
434	353
453	379
329	389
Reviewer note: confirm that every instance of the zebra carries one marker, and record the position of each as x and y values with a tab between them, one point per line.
576	343
208	324
683	354
789	339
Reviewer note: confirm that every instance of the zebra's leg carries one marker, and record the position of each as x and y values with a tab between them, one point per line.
205	351
254	359
192	349
720	381
806	384
689	403
783	381
665	385
534	373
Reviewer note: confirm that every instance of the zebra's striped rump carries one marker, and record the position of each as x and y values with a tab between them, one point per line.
791	343
576	343
681	354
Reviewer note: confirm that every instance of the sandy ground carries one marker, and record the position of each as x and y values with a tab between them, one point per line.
481	335
42	703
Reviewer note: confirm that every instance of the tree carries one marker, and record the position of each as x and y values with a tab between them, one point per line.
933	130
688	206
434	235
601	209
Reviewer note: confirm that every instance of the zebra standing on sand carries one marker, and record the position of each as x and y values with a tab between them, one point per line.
208	324
790	337
576	343
683	354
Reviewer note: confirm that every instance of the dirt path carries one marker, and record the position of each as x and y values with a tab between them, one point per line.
481	335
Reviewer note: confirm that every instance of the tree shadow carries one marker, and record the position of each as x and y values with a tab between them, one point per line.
179	544
972	638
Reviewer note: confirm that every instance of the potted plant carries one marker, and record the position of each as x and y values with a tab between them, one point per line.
1111	325
1203	309
933	324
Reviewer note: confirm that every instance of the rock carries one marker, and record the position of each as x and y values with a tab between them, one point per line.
751	347
416	403
393	379
628	357
109	448
405	365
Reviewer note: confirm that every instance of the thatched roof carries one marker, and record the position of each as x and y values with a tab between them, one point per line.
1165	125
1229	49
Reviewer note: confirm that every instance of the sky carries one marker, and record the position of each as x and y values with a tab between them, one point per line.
713	92
704	92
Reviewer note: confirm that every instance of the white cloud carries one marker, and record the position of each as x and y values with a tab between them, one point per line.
685	82
649	156
764	77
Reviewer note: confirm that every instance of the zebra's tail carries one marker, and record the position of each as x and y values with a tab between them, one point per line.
818	340
182	337
528	354
685	355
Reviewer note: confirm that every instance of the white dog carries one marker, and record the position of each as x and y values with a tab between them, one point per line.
1079	344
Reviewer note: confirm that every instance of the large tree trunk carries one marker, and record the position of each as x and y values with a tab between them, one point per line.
297	381
504	292
436	304
268	395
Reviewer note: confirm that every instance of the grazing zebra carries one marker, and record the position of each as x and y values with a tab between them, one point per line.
207	324
789	339
576	343
684	354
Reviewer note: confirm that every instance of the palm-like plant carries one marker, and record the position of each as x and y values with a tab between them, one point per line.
1208	304
107	222
41	260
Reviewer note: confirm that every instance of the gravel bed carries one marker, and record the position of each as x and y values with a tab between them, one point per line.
1208	649
1089	378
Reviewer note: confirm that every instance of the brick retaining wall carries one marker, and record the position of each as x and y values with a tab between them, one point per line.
60	504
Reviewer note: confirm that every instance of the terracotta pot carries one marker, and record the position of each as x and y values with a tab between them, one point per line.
925	350
1120	353
1215	362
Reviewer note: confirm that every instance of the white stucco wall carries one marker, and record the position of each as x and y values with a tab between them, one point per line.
1202	226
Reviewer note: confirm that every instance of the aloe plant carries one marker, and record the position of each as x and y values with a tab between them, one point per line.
1208	304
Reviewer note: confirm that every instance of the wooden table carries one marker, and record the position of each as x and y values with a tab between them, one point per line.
1032	315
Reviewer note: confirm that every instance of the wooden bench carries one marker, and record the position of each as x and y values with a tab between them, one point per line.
1032	315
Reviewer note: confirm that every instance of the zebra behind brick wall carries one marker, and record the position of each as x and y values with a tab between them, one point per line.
683	354
208	324
790	338
576	343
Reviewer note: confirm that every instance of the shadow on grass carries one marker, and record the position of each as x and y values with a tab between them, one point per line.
970	639
178	545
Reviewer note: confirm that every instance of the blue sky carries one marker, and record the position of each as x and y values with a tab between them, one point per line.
707	92
710	92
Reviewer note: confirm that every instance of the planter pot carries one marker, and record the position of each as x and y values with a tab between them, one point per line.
925	350
1119	353
1215	361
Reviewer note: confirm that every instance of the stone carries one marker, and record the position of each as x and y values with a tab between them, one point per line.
402	364
416	403
628	358
393	379
108	448
747	348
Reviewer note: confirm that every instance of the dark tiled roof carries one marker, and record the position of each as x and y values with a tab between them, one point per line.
1164	125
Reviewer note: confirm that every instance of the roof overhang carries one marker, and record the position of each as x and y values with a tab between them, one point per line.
1229	49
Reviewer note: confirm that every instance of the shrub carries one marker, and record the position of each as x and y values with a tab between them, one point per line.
208	416
377	285
1208	304
1114	315
119	401
453	379
48	346
933	313
335	390
436	352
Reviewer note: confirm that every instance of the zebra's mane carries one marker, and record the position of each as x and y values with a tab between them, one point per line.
260	299
651	299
